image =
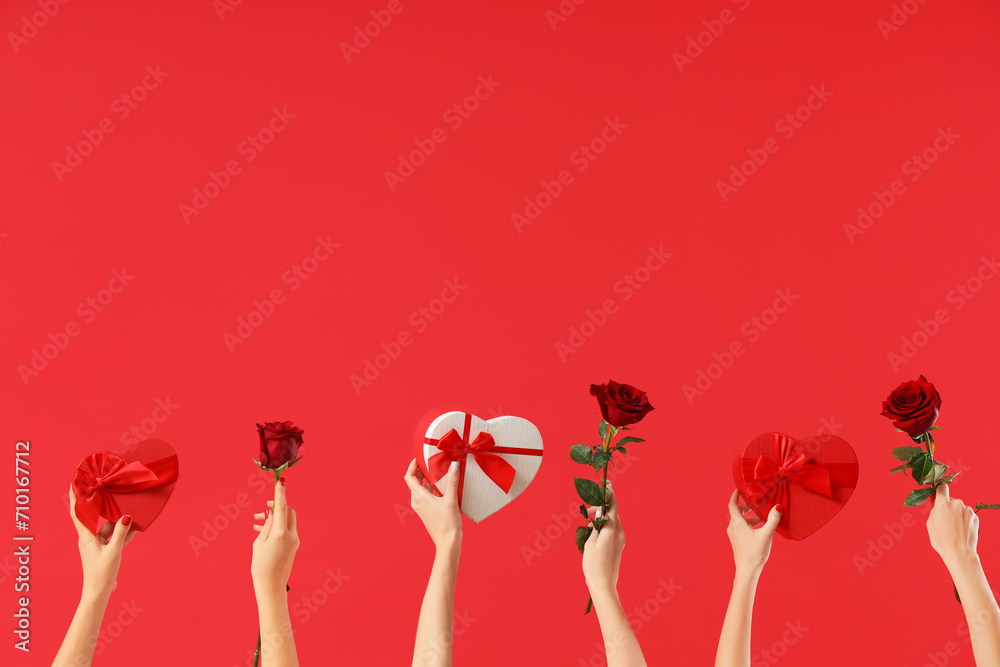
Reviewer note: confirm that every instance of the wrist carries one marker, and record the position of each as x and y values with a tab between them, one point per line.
269	591
96	595
449	545
963	564
747	575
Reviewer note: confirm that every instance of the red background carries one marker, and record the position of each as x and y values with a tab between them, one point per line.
494	349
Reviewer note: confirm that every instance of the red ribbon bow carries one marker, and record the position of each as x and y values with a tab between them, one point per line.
455	447
774	476
104	474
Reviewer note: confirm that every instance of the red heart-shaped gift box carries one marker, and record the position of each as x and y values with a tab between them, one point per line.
812	479
137	482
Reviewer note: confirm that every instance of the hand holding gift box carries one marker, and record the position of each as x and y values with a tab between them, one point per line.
137	482
811	479
497	458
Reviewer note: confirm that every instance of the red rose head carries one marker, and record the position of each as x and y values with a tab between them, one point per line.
913	406
621	404
279	443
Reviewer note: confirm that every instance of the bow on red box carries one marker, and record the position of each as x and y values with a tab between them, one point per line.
137	482
812	479
501	472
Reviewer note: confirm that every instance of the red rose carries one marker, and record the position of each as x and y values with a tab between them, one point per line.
621	404
279	443
913	406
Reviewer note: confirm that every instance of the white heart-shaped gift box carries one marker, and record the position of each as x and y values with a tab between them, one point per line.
492	454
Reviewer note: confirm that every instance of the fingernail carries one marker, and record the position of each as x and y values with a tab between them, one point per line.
779	507
282	481
453	467
267	513
126	520
600	511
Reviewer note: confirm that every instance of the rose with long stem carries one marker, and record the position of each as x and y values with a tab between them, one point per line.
279	451
621	405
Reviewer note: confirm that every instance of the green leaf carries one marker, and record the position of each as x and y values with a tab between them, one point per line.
614	431
987	506
602	429
580	454
937	472
600	459
898	468
920	465
625	441
598	522
589	491
583	511
935	428
918	497
582	533
906	453
948	478
622	449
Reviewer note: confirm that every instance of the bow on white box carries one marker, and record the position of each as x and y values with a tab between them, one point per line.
497	458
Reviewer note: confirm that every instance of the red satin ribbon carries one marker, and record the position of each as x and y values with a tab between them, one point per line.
455	447
104	474
773	477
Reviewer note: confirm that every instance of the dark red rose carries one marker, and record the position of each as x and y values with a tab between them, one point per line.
279	443
621	404
913	406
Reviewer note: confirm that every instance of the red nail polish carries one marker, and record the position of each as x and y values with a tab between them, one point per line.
282	480
267	513
779	507
126	520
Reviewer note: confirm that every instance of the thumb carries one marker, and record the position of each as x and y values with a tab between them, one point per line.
774	518
122	528
451	490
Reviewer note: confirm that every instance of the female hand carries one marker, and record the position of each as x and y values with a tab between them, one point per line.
101	554
275	546
953	528
750	537
440	514
602	553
